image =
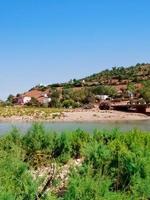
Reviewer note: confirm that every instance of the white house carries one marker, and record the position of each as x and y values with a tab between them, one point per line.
26	99
46	100
102	97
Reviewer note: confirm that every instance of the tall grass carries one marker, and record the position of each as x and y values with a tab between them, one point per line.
115	165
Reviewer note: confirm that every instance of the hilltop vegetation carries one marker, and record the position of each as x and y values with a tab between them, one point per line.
117	82
111	165
114	76
135	74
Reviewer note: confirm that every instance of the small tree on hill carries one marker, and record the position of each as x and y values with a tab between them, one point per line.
145	91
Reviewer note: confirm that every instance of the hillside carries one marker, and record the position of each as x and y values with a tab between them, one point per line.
114	76
121	75
120	78
117	82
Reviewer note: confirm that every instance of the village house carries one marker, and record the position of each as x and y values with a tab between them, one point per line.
41	96
101	97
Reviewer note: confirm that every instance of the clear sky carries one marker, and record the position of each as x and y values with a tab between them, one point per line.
46	41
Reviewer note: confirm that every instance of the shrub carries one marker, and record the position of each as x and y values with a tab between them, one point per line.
15	179
145	91
113	165
69	104
107	90
34	102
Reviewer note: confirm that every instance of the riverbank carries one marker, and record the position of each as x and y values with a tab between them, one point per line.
69	115
101	115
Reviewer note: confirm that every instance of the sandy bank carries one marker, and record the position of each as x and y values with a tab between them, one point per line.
100	115
80	115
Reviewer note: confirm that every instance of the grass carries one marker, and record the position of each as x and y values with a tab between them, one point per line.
35	113
115	165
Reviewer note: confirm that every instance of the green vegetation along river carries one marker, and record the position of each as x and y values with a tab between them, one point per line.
75	165
87	126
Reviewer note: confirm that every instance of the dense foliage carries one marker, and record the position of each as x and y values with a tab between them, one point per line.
133	73
115	165
145	91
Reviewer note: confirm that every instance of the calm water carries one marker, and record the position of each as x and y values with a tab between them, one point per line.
88	126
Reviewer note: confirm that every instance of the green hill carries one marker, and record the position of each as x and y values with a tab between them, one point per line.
116	82
118	75
114	76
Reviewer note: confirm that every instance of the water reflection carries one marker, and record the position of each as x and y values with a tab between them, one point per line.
88	126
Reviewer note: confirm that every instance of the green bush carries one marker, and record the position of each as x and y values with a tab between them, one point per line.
145	91
82	95
69	104
113	165
107	90
34	102
15	179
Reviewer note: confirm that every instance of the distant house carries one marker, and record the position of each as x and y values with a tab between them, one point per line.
26	100
130	94
102	97
83	82
21	100
40	96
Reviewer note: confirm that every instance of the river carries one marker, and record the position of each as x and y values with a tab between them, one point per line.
88	126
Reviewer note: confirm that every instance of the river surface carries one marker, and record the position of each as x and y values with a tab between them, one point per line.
70	126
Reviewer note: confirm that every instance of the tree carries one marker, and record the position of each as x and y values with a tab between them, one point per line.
55	99
10	99
69	103
145	91
131	87
104	90
2	103
79	95
34	102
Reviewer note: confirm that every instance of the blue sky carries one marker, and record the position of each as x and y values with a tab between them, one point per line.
46	41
